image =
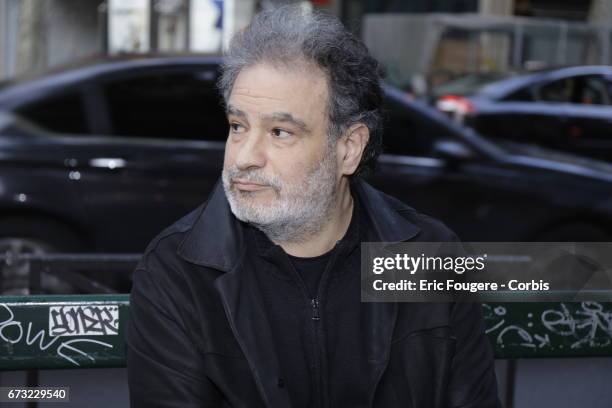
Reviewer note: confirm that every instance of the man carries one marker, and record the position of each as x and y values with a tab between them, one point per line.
253	299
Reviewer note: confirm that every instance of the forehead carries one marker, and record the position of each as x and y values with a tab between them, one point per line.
265	89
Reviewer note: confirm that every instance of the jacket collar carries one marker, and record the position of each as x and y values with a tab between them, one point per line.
217	236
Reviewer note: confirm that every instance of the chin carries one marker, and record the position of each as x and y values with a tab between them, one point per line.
254	203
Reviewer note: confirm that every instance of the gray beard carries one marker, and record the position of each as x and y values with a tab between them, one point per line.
299	212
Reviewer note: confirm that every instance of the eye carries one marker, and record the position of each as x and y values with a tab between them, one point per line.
281	133
236	127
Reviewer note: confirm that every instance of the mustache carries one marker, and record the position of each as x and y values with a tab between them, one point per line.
253	176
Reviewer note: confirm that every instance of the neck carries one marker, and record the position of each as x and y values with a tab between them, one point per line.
331	232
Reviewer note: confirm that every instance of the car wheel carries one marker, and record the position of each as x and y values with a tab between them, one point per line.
32	236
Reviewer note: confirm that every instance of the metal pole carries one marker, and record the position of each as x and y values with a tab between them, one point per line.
518	46
153	26
103	26
187	25
562	44
35	277
4	49
510	383
473	52
604	38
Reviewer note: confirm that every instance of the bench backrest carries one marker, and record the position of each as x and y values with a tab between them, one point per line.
85	331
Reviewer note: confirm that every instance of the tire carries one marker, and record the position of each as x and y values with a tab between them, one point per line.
36	236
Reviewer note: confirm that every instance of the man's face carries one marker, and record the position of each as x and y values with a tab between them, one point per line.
280	172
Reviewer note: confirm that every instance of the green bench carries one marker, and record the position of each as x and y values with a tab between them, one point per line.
86	331
56	331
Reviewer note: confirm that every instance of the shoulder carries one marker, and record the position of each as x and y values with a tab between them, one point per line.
163	282
163	248
431	229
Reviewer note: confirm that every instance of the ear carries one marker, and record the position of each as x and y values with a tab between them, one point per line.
350	148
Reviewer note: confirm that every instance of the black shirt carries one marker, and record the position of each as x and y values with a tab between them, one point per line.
313	309
311	269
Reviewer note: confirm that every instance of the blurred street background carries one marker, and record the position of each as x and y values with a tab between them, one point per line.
498	122
434	40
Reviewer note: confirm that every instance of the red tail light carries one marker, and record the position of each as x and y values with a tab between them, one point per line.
455	105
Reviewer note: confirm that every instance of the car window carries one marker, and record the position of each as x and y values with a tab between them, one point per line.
592	91
521	95
560	91
182	105
583	90
63	113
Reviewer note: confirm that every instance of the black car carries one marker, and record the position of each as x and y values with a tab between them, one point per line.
101	158
567	109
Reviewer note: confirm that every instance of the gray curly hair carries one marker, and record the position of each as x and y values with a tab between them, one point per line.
290	34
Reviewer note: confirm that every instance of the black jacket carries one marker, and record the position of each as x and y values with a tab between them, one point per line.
198	334
314	309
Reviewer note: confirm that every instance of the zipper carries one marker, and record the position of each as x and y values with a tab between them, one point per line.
315	306
315	326
323	400
315	309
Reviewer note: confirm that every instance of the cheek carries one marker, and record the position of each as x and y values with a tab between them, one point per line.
289	168
228	157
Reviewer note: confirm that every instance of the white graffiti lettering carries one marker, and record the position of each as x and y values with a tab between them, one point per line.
11	331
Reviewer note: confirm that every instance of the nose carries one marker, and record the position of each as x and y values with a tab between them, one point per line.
250	151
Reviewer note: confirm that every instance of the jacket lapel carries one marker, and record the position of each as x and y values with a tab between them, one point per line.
247	318
379	321
386	224
217	241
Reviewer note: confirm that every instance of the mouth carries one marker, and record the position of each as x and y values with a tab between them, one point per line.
248	186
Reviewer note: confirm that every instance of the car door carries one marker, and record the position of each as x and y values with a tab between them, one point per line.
156	153
589	118
543	121
36	184
478	197
533	113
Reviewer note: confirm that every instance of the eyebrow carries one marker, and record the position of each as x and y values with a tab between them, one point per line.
231	110
276	116
286	117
